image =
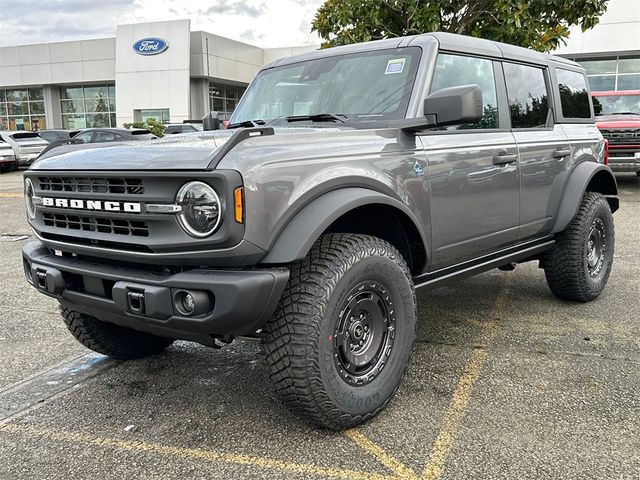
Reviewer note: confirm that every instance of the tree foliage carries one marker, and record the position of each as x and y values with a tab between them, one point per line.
151	124
538	24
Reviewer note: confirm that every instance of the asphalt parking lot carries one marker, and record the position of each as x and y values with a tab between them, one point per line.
505	382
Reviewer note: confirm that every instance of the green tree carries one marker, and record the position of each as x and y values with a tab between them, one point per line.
538	24
151	124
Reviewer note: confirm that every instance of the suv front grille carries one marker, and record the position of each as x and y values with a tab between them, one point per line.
131	186
622	136
97	224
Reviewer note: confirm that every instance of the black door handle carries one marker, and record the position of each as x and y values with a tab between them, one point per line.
561	153
504	158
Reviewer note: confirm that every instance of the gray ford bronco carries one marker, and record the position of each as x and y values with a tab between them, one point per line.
346	179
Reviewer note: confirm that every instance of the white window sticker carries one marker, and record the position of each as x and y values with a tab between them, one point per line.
394	66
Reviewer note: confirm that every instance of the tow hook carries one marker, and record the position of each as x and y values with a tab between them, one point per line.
135	302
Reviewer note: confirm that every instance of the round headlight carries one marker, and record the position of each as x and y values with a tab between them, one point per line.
29	193
200	214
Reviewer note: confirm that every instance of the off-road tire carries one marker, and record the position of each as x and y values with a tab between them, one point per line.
109	339
566	265
299	339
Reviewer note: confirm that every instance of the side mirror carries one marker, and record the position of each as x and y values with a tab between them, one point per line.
448	106
455	105
211	121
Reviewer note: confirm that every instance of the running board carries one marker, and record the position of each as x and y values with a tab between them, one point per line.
469	269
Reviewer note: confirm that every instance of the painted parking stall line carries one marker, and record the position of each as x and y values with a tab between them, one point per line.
24	396
462	394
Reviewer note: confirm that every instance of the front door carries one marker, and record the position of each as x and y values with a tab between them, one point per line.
473	170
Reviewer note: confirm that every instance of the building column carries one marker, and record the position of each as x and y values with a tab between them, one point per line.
52	113
199	98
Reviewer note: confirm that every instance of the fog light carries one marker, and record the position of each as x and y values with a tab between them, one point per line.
188	303
191	302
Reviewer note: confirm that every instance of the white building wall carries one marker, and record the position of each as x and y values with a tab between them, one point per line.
154	81
58	63
222	58
617	32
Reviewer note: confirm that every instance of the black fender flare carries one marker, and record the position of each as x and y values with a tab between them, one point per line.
300	233
579	180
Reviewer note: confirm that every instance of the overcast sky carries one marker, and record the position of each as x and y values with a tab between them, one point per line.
269	23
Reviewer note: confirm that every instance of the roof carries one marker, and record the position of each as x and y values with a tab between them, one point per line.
444	40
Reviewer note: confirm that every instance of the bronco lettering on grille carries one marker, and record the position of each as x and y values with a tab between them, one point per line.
129	207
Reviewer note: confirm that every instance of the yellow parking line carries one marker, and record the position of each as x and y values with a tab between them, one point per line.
190	453
383	457
11	195
460	400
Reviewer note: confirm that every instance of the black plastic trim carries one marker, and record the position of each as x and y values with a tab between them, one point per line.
238	136
243	300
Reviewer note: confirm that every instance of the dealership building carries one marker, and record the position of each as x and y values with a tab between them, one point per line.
163	70
159	70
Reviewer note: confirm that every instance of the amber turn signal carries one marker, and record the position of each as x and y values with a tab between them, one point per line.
238	204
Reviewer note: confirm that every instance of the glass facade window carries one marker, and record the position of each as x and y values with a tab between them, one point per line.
159	114
85	106
615	73
22	109
224	99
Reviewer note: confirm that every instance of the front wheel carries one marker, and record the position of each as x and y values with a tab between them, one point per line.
113	340
578	266
340	339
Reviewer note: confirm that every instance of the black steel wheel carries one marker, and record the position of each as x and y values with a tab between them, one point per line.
364	333
339	342
579	264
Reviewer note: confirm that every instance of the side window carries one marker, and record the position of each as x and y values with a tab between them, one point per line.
84	137
456	70
528	96
574	98
106	137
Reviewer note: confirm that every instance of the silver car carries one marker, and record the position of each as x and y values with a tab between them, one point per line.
26	145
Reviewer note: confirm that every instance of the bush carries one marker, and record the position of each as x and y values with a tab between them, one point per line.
151	124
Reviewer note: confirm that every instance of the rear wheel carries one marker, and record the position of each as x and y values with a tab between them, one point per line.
578	266
340	339
109	339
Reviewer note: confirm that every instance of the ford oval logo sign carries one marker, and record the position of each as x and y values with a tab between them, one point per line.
150	46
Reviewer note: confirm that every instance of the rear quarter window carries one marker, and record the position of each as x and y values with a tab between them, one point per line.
574	97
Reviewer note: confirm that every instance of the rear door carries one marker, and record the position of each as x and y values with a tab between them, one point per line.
543	148
472	169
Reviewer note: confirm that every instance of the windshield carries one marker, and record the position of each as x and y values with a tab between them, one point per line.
610	105
25	137
363	86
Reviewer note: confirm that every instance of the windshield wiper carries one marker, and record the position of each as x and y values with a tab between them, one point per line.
318	117
623	113
246	124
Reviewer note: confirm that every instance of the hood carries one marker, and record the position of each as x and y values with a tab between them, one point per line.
189	151
618	121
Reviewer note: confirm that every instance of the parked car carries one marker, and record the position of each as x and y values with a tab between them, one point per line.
53	134
8	161
26	145
102	135
174	128
618	118
308	224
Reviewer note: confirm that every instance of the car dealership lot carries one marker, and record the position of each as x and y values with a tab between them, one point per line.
505	381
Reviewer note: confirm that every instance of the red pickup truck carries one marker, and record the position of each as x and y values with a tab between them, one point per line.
618	118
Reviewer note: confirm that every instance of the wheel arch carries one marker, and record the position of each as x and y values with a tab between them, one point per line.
585	177
352	210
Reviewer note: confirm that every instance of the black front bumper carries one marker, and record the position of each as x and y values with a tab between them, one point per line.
233	302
